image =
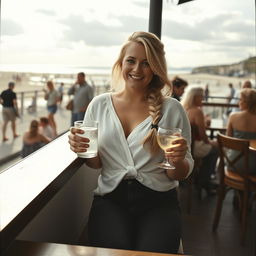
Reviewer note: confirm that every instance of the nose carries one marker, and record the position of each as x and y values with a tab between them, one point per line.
136	67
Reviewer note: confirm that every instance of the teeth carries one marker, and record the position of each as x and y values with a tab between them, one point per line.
136	77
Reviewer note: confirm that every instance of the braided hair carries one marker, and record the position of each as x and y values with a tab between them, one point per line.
160	85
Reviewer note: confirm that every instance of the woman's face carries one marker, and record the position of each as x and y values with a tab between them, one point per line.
198	99
136	71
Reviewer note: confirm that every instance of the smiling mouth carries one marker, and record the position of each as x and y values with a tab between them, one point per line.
134	77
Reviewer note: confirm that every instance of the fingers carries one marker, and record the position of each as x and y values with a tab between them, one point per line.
178	151
76	141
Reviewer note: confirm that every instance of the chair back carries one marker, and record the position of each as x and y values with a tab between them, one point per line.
241	147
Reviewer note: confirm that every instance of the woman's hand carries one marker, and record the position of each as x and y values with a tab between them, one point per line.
77	143
178	151
176	154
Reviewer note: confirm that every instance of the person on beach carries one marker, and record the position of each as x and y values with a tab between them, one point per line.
52	97
204	148
232	92
135	205
206	92
33	139
8	99
242	125
178	87
61	93
83	94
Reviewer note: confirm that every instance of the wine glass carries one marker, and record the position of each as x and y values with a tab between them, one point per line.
165	137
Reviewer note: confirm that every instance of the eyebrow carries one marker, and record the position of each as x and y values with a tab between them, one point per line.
135	58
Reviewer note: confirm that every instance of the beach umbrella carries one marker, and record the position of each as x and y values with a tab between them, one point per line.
155	15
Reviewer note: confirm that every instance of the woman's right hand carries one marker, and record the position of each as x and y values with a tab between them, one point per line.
77	143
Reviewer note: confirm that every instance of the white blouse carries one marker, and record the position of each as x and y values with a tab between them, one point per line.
123	157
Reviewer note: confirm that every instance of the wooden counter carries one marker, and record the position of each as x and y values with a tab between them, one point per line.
23	248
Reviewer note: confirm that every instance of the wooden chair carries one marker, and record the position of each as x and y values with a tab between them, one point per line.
239	180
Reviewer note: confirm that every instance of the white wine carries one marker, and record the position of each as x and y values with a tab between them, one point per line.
165	141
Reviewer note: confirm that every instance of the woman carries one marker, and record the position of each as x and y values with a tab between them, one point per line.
203	147
52	97
135	204
32	139
242	124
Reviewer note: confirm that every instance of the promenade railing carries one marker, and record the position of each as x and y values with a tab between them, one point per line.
30	100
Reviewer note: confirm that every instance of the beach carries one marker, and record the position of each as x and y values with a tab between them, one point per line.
30	81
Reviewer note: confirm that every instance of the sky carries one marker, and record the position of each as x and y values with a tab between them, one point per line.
91	32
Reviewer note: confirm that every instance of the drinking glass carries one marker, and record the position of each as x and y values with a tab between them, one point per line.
90	129
165	137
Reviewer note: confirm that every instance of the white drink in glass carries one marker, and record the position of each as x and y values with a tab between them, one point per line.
91	132
165	138
165	141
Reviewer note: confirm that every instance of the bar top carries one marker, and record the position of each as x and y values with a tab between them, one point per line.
25	248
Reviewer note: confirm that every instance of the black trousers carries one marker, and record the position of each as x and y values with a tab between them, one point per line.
135	217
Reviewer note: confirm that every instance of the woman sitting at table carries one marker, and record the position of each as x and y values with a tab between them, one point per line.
242	125
203	147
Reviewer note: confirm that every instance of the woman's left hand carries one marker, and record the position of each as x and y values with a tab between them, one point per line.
178	151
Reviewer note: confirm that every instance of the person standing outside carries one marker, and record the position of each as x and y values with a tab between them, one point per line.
8	99
179	86
83	94
52	97
61	92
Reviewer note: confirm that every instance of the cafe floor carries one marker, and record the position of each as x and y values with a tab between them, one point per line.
198	238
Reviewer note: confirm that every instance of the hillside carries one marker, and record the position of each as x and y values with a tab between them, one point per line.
246	67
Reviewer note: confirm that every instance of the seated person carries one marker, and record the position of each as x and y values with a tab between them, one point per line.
46	129
203	147
235	100
242	125
32	139
178	87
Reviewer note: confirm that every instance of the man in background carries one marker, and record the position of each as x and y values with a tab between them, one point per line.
8	99
83	94
178	87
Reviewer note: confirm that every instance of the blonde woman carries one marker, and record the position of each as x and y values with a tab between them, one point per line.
135	205
242	124
203	147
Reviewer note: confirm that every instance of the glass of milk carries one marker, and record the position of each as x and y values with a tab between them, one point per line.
90	129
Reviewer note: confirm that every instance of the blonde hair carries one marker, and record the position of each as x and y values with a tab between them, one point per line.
188	98
155	54
249	97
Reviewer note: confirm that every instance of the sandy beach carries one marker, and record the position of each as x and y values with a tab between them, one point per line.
218	85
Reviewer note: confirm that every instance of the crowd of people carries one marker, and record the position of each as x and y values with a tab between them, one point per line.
139	199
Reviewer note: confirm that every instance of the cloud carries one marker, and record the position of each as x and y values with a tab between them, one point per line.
225	29
95	33
46	12
11	28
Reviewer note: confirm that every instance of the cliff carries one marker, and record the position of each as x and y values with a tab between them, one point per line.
246	67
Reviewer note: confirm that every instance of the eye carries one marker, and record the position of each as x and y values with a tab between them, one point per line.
145	64
130	61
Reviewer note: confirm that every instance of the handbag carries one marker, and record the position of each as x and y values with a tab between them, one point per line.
70	104
201	149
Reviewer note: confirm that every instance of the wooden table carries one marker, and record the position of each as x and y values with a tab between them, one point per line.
216	125
26	248
253	145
